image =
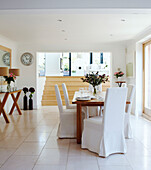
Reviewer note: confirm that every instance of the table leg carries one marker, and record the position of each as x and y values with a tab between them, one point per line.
2	104
120	84
15	103
79	129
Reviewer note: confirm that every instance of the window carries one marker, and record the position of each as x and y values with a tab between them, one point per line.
96	58
101	62
73	64
79	62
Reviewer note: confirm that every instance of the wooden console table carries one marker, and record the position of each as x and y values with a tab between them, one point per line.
3	102
120	83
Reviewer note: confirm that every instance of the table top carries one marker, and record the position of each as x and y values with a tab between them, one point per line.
120	81
11	92
92	102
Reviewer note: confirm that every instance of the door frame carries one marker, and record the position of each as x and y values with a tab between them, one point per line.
144	45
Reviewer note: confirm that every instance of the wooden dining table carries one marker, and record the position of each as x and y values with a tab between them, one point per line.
80	103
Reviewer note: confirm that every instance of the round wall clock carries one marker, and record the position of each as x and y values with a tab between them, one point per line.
6	59
27	59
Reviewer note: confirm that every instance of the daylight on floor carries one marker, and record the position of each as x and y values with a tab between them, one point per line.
75	82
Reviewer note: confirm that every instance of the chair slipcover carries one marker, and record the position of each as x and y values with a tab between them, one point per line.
68	119
65	92
127	124
72	106
105	135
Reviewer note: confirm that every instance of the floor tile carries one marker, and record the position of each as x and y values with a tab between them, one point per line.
37	137
30	148
11	142
82	166
53	156
19	163
75	150
44	129
115	159
50	167
82	160
19	132
140	162
54	142
125	167
5	154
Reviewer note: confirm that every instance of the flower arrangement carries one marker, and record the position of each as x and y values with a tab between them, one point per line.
25	90
118	74
10	78
31	90
95	79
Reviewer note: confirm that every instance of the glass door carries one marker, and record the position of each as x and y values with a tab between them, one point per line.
147	78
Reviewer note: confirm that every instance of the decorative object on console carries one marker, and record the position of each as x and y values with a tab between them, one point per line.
25	90
27	59
95	79
31	90
3	72
9	79
119	74
129	70
16	72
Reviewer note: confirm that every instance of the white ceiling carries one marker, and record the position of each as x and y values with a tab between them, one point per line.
72	4
44	27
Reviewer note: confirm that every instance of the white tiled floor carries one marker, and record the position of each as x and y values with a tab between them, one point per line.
30	142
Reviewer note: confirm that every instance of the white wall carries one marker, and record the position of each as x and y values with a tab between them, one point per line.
131	58
40	88
53	64
28	74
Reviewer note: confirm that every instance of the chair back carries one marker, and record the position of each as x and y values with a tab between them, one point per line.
65	92
114	109
59	100
130	95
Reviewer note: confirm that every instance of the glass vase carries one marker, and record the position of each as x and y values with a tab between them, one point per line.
8	87
119	78
94	91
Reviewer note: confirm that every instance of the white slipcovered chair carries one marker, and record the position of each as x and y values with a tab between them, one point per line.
105	135
66	96
67	126
72	106
127	124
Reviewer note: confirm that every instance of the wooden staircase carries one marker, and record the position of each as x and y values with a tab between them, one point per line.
73	84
